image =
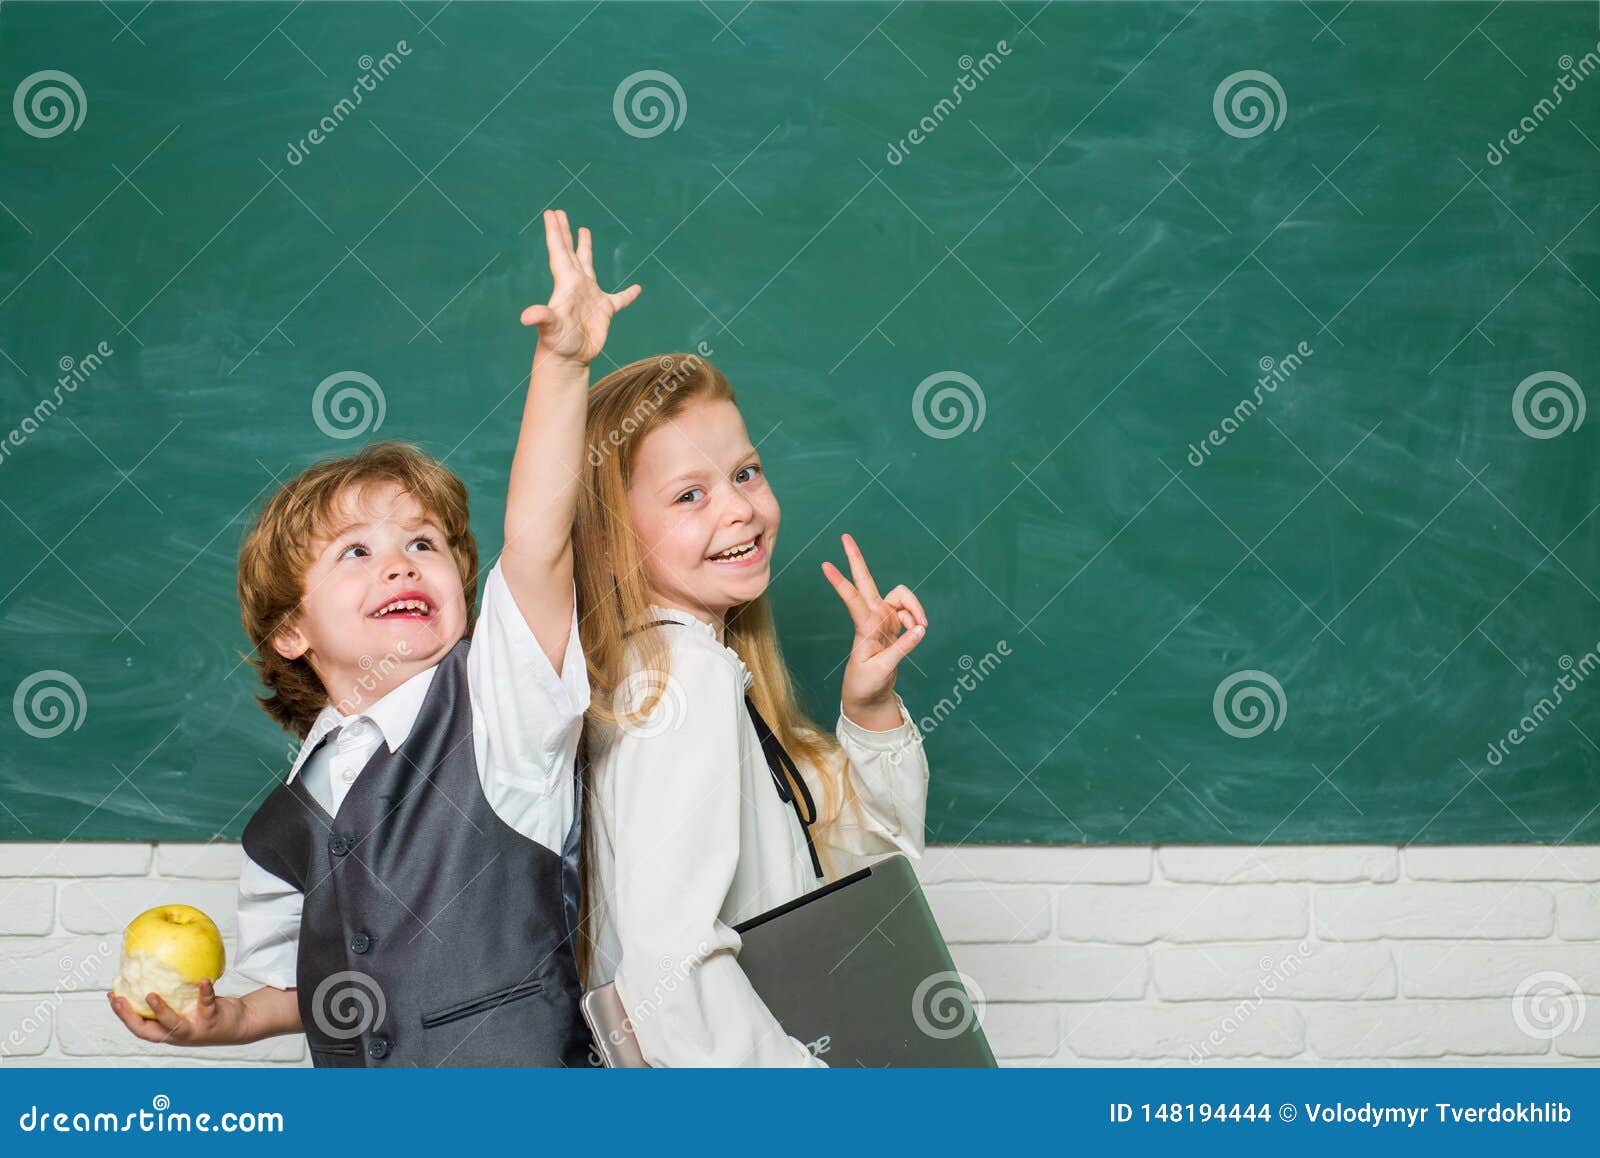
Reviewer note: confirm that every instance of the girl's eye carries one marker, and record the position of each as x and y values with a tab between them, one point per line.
425	543
687	493
753	469
354	551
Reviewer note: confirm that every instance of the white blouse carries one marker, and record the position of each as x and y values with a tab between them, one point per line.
691	838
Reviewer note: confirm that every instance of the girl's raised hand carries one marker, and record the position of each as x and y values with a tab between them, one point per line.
887	628
573	325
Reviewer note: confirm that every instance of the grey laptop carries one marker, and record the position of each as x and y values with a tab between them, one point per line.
856	969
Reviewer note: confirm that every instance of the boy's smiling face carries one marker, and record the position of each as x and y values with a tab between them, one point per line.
697	490
383	597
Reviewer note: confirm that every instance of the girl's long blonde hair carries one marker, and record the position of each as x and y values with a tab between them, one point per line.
614	594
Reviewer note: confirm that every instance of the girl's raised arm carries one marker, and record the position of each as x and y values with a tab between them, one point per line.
542	496
885	769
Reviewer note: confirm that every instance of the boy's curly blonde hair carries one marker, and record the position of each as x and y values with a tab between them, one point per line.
279	548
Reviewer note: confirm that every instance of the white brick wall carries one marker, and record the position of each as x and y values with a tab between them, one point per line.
62	912
1177	955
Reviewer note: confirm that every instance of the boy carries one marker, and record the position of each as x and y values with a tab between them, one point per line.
409	893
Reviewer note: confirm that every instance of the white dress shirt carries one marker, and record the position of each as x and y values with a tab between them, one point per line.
691	838
526	722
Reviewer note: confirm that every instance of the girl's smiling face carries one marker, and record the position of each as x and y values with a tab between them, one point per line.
698	491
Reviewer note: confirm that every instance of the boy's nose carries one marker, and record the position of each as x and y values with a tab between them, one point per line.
398	567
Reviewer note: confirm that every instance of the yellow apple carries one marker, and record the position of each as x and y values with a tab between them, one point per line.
168	950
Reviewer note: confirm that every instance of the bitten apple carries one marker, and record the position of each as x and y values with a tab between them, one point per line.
168	950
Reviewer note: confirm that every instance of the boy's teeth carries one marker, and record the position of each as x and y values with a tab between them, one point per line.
404	605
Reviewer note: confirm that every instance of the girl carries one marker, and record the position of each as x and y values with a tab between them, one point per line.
697	818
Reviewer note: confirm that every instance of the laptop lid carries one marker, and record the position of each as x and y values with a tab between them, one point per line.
859	972
856	969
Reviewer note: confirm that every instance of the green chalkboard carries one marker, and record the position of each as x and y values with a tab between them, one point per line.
1216	374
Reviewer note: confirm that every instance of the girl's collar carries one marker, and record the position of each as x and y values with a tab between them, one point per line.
680	616
690	619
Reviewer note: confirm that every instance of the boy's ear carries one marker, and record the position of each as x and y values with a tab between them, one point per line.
290	643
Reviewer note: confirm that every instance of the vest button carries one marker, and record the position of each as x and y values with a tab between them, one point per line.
339	845
360	943
378	1047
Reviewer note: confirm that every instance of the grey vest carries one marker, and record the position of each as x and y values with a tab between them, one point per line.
432	932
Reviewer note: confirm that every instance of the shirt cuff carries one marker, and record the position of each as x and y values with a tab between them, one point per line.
886	741
267	977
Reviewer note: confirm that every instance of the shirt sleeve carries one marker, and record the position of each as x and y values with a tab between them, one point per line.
885	785
676	826
269	927
526	718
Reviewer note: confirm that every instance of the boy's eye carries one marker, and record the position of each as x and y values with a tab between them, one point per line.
361	551
753	469
687	493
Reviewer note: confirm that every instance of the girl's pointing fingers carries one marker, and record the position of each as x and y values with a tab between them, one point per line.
847	592
858	569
